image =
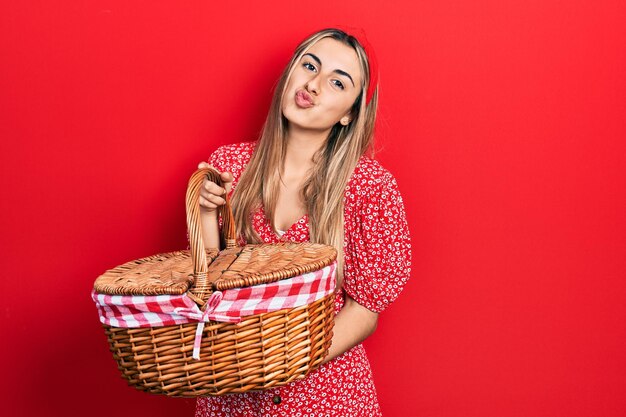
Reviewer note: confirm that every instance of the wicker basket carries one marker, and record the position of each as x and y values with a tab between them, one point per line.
261	351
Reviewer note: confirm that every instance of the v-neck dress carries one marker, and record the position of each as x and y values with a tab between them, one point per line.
377	254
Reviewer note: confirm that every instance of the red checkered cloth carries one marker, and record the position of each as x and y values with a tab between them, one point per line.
225	306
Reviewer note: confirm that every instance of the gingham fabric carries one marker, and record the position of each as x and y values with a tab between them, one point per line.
132	311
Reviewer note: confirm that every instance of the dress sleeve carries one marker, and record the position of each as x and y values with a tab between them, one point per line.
377	246
232	158
219	159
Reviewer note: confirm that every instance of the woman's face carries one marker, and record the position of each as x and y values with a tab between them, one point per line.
323	86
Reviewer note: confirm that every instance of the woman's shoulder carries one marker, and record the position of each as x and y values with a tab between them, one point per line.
232	157
241	150
369	176
371	186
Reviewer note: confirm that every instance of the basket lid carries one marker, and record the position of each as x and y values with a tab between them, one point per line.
260	264
172	273
165	273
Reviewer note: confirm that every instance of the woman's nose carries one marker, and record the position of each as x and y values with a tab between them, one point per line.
313	85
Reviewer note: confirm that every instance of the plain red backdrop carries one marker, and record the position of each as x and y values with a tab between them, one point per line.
503	122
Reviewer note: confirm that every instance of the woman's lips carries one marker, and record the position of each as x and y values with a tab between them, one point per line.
304	99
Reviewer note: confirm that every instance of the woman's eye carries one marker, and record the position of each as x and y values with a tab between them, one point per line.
309	66
339	84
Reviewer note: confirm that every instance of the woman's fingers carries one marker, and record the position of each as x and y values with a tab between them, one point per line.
227	178
211	201
215	199
211	194
213	188
204	203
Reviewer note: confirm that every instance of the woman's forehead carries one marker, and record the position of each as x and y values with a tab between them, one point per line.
337	55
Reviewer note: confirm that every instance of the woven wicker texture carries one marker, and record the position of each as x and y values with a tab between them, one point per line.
166	273
262	351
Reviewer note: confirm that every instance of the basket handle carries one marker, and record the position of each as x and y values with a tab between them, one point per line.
196	244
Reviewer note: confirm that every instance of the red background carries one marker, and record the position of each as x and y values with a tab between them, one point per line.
503	121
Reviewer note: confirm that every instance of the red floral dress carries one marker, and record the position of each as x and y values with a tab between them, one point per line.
377	266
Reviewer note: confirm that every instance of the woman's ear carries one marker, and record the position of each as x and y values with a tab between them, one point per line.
345	120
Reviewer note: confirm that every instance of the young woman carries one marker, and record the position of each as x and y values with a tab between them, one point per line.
307	179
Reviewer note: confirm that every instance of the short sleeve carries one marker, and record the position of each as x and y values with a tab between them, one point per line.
377	244
232	158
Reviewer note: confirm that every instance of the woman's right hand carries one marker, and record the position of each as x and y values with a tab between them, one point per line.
212	195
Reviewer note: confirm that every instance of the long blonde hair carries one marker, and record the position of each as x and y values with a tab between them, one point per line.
323	191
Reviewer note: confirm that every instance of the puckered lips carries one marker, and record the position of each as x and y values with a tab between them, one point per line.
304	99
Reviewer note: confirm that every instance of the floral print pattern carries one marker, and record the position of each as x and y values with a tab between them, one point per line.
377	252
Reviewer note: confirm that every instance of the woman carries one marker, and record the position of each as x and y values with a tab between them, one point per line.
308	179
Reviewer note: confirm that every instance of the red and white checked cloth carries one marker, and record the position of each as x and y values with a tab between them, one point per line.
225	306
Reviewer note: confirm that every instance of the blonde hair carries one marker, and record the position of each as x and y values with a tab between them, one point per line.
323	191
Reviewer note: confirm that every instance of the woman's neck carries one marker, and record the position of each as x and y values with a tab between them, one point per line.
302	146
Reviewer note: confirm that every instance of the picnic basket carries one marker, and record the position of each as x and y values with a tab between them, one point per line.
208	351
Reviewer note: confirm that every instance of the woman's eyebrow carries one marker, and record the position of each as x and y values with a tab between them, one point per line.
338	71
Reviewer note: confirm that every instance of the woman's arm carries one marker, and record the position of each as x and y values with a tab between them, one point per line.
353	324
210	229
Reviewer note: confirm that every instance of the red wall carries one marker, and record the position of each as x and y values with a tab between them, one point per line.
503	122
